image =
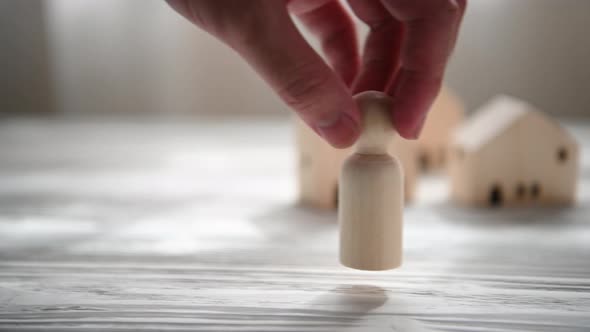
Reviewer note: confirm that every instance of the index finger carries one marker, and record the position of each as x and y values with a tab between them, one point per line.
431	30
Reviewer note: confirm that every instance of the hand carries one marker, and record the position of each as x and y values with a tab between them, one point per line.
405	54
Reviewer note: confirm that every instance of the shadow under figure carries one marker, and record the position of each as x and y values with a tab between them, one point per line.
357	300
350	308
349	304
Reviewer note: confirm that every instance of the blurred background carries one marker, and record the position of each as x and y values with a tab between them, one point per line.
138	56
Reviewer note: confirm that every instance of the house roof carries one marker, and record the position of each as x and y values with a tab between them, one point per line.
495	116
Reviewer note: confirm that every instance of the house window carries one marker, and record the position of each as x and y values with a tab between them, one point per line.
535	190
520	191
496	197
562	155
424	161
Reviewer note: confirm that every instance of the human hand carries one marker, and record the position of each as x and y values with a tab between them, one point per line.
405	54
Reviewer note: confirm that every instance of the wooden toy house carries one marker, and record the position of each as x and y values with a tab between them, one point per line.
446	114
509	154
319	167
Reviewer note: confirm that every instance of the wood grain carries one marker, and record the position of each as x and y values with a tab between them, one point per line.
122	226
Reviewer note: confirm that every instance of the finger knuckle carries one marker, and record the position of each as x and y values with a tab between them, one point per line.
415	10
302	90
450	5
227	20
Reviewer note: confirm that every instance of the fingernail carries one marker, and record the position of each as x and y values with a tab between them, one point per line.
340	130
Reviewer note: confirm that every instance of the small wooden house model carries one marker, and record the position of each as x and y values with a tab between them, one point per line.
319	167
510	154
446	114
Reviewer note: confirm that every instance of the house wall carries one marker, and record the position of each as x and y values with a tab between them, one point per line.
522	157
406	151
445	115
494	164
460	165
318	167
550	160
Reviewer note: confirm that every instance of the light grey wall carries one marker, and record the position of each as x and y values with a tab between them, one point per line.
140	56
534	49
25	84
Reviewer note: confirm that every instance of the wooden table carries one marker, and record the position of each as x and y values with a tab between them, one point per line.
186	226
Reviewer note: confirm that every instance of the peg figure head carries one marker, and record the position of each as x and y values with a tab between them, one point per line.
377	125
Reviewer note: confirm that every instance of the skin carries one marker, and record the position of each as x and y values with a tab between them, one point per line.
405	54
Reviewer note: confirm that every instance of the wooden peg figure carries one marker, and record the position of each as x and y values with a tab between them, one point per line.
371	192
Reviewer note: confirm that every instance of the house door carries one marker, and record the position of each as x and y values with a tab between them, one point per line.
496	197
